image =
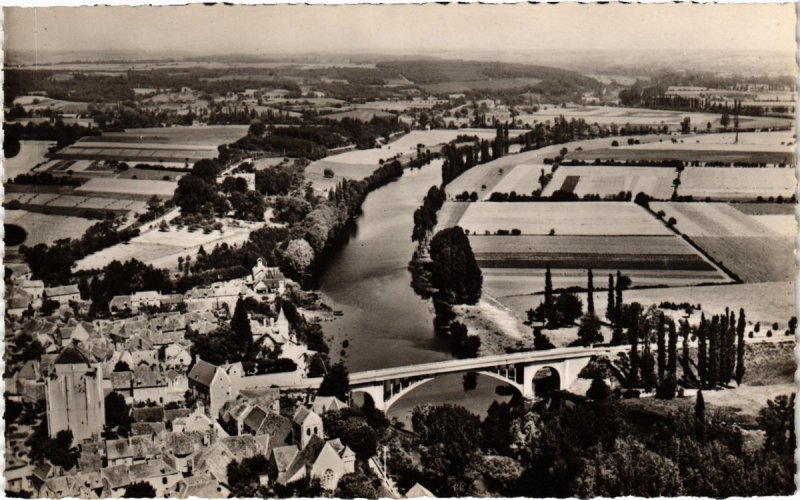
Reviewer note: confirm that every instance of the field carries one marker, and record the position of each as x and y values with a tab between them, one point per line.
785	225
39	103
45	228
129	186
765	208
31	153
361	163
665	253
712	219
764	302
675	152
605	115
469	85
583	218
162	249
754	259
137	152
484	178
80	202
214	135
364	115
605	181
737	183
748	141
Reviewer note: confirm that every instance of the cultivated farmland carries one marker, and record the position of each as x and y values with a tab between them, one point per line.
46	228
129	186
607	181
162	249
737	183
584	218
711	219
31	153
754	259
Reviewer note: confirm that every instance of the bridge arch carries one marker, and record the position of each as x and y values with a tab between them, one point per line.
545	380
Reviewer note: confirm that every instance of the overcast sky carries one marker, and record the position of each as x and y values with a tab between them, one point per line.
409	28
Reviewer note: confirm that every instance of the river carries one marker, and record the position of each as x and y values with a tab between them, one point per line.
384	322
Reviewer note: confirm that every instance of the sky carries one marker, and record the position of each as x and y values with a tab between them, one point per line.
208	30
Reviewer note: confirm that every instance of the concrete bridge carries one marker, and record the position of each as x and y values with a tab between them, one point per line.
524	371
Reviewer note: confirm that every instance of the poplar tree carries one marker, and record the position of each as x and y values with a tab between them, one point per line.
686	330
611	309
548	295
702	350
740	347
590	295
618	300
672	349
700	417
633	333
713	352
661	347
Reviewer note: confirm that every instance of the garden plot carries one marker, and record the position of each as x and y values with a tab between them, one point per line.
45	228
607	181
31	153
737	183
130	186
711	219
581	218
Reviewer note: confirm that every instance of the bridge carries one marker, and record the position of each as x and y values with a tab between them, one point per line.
523	371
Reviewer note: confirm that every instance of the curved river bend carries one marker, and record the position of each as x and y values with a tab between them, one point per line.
384	322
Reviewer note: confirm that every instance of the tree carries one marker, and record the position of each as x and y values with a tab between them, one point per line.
725	120
590	295
358	485
240	325
454	270
700	417
139	489
630	469
777	420
633	336
243	477
207	170
118	413
450	437
299	255
661	345
589	330
193	193
611	308
618	299
336	382
548	296
599	390
740	327
569	308
672	349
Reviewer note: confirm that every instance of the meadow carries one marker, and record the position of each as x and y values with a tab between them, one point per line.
584	218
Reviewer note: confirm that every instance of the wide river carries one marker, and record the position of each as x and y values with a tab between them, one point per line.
384	322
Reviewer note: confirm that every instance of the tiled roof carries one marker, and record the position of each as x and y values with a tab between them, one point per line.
202	372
